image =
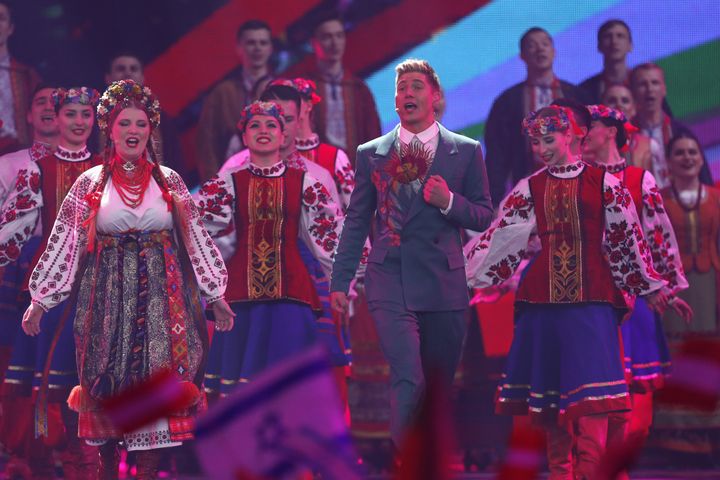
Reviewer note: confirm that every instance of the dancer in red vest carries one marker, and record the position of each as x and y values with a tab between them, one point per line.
564	364
646	355
40	190
330	157
269	205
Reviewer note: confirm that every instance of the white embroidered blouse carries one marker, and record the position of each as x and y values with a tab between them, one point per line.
506	241
321	219
56	271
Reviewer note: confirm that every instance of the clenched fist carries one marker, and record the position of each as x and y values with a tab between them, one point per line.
436	192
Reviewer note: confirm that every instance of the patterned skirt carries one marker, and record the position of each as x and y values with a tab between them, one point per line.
329	329
564	362
647	358
264	333
139	313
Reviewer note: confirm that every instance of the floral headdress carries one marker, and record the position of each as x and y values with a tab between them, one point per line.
124	93
599	112
533	125
270	109
306	88
77	95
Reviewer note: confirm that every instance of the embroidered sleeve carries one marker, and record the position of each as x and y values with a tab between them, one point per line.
625	246
208	265
320	222
344	177
216	200
493	256
53	277
660	236
19	213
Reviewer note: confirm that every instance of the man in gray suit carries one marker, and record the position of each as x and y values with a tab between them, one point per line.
422	185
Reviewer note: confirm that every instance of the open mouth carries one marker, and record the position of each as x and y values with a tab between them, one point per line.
78	131
49	118
263	140
132	142
409	107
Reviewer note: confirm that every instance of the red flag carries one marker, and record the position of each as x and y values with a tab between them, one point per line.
430	441
525	454
159	396
695	378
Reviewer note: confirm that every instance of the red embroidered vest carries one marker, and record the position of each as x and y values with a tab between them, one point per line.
325	156
696	230
571	267
56	178
267	265
632	179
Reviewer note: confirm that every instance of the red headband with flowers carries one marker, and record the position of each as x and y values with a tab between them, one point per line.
270	109
123	94
598	112
535	126
78	95
306	88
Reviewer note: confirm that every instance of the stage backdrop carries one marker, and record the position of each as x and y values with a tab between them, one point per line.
188	47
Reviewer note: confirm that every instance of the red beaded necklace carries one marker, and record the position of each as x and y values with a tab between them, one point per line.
131	184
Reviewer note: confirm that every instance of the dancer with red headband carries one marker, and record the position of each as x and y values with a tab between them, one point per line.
34	370
270	207
564	364
128	244
647	360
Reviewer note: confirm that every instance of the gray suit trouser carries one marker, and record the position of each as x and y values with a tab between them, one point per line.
415	344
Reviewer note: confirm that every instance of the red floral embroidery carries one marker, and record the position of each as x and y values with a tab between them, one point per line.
345	177
504	269
35	182
410	164
324	231
214	197
518	204
617	198
653	202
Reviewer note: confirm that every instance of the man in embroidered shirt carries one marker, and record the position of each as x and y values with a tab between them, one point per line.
17	82
508	154
420	185
223	105
647	83
347	117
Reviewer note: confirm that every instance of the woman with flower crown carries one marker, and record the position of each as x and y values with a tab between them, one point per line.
128	245
564	364
269	205
43	368
647	359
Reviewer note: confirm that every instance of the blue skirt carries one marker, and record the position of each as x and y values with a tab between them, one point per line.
330	333
29	356
647	358
12	281
564	362
264	333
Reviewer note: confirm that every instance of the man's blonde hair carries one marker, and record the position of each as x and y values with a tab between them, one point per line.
419	66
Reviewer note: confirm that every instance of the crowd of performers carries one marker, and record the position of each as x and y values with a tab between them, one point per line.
111	268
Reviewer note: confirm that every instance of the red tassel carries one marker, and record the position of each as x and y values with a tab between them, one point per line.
93	200
168	200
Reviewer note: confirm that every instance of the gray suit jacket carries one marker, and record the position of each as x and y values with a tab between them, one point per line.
431	266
